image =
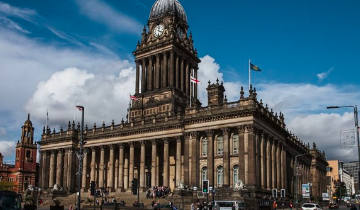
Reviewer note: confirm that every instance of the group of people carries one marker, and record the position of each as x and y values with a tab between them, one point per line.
157	192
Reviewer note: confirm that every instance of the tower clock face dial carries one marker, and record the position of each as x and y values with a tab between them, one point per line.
158	30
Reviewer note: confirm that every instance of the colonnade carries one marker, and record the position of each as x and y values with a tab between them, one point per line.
261	158
163	70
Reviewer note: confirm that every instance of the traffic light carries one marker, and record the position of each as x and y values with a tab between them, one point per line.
134	185
92	188
205	186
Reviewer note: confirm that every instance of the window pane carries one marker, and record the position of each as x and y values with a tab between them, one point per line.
235	175
204	148
220	145
220	172
235	144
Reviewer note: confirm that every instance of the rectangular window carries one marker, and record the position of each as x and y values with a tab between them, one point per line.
220	145
204	148
235	144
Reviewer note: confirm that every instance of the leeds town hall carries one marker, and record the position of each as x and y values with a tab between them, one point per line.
170	139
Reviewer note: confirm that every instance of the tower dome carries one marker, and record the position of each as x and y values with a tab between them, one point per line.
165	7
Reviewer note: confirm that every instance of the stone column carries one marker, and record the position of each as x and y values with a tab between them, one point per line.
150	74
278	165
263	162
178	161
102	165
164	71
177	73
153	163
283	168
210	157
171	69
59	167
187	79
131	163
273	156
116	184
166	163
126	174
142	166
268	165
250	157
65	170
193	164
70	172
143	76
227	136
84	172
257	158
43	169
52	169
137	77
241	154
111	168
121	167
157	72
186	161
93	164
182	75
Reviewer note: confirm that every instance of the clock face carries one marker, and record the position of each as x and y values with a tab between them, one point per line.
158	30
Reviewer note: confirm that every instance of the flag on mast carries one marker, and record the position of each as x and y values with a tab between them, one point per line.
254	67
194	80
134	98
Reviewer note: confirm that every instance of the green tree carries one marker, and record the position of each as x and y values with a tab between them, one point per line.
340	189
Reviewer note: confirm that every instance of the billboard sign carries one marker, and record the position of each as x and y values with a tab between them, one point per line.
306	190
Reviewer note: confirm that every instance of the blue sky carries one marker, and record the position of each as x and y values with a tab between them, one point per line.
308	50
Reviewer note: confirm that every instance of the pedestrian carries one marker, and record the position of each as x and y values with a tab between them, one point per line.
274	205
192	206
70	207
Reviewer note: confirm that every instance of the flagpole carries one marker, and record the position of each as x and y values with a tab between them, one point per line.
249	74
190	88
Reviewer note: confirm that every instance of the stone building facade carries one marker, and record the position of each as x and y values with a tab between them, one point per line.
24	172
169	139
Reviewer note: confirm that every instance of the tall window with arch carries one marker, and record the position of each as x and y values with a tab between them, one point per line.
220	145
220	176
204	147
235	144
204	174
235	175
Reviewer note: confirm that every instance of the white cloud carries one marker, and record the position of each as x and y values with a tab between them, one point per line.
7	148
323	75
103	13
325	129
105	97
6	22
2	131
12	11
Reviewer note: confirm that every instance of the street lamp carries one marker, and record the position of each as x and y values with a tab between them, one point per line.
356	119
295	173
81	154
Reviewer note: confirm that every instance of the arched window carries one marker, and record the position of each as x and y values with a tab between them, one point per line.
235	175
235	144
204	147
220	176
204	174
220	145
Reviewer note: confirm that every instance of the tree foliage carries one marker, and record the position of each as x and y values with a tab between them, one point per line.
340	189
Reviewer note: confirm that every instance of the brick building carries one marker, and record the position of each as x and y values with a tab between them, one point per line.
23	173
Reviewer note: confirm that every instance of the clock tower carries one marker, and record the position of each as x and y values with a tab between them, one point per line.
166	60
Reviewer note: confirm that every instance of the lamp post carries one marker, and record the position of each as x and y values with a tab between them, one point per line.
356	119
80	155
295	172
